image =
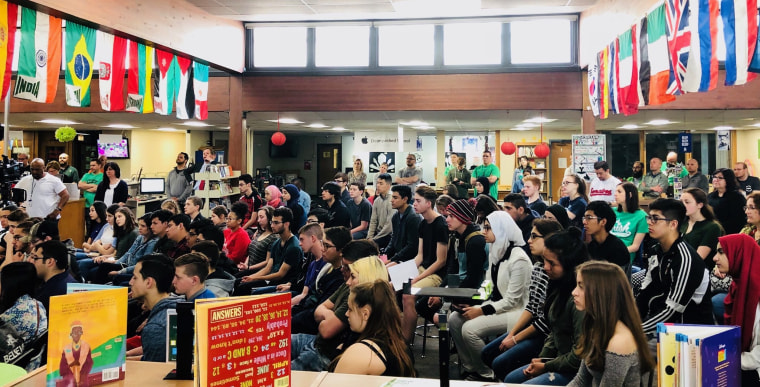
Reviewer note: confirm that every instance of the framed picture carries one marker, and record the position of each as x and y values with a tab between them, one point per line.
376	159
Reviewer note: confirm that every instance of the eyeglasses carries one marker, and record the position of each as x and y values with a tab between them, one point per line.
275	222
655	219
535	236
327	246
192	234
718	178
745	208
589	218
568	182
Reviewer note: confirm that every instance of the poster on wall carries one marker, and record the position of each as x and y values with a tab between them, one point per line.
724	141
588	149
376	159
385	141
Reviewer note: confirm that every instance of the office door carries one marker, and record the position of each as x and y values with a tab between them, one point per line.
561	157
328	163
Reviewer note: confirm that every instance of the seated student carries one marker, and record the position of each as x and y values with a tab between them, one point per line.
18	307
144	244
558	362
515	205
236	239
380	348
318	215
739	256
218	281
151	282
193	206
359	210
159	222
310	239
214	234
261	242
190	272
98	221
532	191
125	234
51	261
103	243
598	221
176	231
328	280
315	352
613	346
284	259
219	216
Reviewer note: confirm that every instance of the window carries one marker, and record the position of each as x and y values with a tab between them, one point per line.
541	41
472	44
279	47
406	45
338	46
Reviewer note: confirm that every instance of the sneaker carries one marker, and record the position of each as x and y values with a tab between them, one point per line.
475	377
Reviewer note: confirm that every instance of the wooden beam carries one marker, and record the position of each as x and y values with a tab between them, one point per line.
175	25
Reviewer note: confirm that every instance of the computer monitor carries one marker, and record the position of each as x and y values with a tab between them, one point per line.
152	185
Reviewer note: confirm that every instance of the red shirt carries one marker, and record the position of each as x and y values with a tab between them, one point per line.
236	244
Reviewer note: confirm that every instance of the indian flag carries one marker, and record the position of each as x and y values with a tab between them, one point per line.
39	59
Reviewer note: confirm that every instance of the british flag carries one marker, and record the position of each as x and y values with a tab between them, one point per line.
679	40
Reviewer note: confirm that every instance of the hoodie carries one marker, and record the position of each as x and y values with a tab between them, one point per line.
154	332
221	283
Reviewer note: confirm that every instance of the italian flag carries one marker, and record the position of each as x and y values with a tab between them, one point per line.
39	59
659	59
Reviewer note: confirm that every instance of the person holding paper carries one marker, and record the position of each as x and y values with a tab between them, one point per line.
613	346
738	255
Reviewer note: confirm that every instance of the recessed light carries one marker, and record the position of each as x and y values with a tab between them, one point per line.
166	129
629	126
120	126
539	120
287	121
520	128
423	127
197	124
414	123
317	126
339	129
757	125
57	121
660	122
527	125
723	127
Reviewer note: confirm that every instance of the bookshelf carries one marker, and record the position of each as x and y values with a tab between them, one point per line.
538	164
217	186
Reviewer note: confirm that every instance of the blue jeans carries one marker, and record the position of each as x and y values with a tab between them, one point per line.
304	356
502	363
547	378
718	306
87	268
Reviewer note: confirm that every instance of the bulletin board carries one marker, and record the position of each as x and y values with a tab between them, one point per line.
588	149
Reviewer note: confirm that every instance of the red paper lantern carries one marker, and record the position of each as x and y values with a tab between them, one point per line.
508	147
278	138
541	150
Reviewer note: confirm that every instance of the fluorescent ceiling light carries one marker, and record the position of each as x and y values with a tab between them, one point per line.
339	129
57	121
723	127
629	126
287	121
414	123
520	128
120	126
539	120
423	127
317	126
527	125
660	122
197	124
757	125
165	129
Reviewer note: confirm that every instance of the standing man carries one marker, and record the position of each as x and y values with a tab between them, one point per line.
603	187
304	199
532	192
88	185
69	174
190	272
359	211
489	171
178	186
460	177
637	173
655	182
251	198
45	194
23	158
380	225
335	207
747	183
209	158
406	223
695	178
411	175
453	162
598	222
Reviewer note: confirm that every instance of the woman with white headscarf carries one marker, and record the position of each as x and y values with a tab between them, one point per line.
509	271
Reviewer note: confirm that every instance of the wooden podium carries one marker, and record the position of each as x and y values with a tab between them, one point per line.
71	224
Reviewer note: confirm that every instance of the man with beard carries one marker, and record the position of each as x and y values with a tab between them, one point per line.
695	178
69	174
638	173
178	185
411	175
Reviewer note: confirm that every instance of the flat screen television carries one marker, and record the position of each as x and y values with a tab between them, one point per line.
152	186
287	150
119	150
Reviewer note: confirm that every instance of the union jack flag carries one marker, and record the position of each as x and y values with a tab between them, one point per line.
679	41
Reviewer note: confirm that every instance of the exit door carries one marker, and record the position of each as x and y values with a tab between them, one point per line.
328	163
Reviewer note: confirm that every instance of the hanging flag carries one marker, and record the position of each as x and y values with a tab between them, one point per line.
644	66
139	95
39	58
754	64
8	18
740	34
613	85
625	71
604	78
111	54
659	60
632	98
186	94
167	82
702	68
80	49
200	85
679	41
592	78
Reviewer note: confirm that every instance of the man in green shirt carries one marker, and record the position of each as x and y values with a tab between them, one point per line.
488	170
88	185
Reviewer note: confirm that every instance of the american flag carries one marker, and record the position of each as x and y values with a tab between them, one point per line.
679	40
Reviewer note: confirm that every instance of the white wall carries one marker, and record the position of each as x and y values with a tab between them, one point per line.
428	155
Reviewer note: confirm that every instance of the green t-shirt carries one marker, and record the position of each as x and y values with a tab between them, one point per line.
486	171
628	225
90	178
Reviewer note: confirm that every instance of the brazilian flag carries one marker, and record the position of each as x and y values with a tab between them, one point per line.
80	51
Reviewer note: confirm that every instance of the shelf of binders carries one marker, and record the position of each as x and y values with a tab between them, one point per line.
536	163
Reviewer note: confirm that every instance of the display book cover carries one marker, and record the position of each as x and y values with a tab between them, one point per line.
698	355
87	337
243	341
